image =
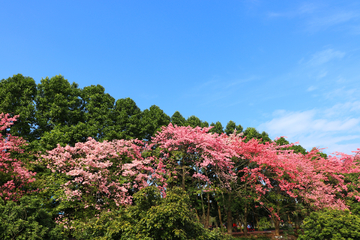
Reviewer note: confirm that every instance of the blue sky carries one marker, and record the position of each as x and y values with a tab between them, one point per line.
290	68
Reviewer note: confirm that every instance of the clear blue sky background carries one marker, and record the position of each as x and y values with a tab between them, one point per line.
290	68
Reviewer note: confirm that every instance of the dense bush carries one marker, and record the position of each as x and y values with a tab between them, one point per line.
331	224
151	217
27	220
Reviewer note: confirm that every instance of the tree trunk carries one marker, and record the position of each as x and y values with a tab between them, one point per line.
219	212
245	220
229	216
208	211
256	223
229	221
203	210
277	226
297	222
277	217
183	177
197	215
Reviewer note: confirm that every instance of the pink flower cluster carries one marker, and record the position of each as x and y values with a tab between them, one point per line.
102	173
12	170
97	171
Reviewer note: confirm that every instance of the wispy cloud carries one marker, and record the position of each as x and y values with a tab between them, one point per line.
239	82
210	92
342	109
307	8
327	20
325	56
304	9
333	73
322	74
319	128
311	88
319	17
343	93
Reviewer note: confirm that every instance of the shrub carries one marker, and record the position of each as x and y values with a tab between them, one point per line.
151	217
331	224
27	219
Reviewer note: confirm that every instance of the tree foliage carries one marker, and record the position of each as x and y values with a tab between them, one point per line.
151	217
27	220
126	121
231	127
331	224
106	169
14	178
152	120
17	95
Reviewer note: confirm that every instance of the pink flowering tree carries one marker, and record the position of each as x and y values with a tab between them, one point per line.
284	174
190	158
201	162
14	177
349	178
186	154
91	176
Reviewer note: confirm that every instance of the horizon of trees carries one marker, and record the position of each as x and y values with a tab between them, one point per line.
99	168
55	111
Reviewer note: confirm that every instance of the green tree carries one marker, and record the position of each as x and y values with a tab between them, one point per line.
217	128
57	103
152	120
67	114
251	132
231	126
17	95
204	124
126	117
27	220
63	135
193	121
178	119
297	148
331	224
97	107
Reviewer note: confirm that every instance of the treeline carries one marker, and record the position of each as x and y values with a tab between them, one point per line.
140	177
57	112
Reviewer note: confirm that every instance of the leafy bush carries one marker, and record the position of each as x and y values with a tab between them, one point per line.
151	217
264	223
331	224
257	238
27	219
216	234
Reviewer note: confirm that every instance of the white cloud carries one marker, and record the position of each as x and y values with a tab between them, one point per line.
322	74
342	109
319	17
305	9
289	123
319	128
323	57
343	93
311	88
235	83
331	19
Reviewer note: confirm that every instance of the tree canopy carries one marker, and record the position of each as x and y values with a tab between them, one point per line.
98	168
